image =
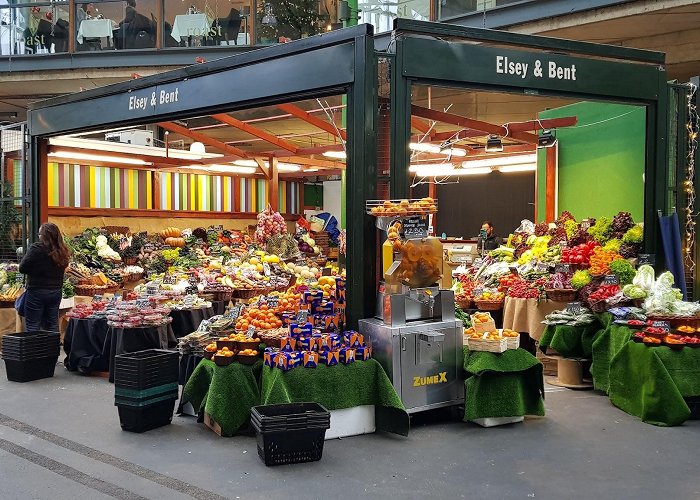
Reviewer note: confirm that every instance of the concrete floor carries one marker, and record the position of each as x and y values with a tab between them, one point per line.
60	438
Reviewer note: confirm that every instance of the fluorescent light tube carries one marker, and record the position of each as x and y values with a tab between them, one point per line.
100	158
526	167
288	167
499	162
424	147
341	155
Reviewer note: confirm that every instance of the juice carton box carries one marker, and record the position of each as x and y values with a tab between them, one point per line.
310	359
347	355
329	358
297	331
288	344
363	353
270	357
351	338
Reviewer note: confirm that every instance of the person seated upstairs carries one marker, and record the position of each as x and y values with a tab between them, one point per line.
136	30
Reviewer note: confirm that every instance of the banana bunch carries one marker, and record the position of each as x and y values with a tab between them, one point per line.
10	293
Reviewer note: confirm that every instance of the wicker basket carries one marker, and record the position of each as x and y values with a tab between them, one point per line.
131	261
116	229
90	292
496	346
247	293
676	321
489	305
512	342
598	307
464	303
561	295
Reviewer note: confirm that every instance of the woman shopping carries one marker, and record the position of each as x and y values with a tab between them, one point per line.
44	266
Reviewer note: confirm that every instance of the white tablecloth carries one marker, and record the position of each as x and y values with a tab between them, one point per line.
190	25
95	28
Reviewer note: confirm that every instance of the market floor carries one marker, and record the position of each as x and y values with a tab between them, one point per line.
60	438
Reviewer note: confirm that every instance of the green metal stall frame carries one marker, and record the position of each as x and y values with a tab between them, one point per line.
339	62
445	55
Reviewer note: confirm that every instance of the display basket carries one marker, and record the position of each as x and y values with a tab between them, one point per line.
489	305
208	355
248	359
248	293
116	229
218	295
484	345
512	342
676	321
561	294
464	303
224	360
598	307
482	328
290	433
7	304
131	261
91	291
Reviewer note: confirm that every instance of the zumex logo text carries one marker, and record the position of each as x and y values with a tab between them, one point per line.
440	378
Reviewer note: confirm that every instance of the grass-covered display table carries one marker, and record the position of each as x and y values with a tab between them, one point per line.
227	394
571	341
508	384
652	382
608	342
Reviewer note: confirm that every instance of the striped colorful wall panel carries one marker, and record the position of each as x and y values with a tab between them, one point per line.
88	186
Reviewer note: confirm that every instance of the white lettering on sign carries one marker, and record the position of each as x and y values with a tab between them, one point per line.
553	71
507	67
160	98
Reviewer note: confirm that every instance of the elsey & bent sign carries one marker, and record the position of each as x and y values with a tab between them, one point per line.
156	98
506	66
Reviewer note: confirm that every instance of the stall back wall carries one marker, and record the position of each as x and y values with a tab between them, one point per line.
503	199
88	186
601	160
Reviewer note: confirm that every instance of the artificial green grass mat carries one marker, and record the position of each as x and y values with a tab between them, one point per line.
605	346
338	387
571	341
508	384
651	382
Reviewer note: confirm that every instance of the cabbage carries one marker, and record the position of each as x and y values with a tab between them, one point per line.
644	278
634	292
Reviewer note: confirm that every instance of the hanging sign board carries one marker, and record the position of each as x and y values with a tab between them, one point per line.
611	279
415	227
561	267
646	258
575	308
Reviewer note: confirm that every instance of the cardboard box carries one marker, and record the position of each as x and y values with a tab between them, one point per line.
211	423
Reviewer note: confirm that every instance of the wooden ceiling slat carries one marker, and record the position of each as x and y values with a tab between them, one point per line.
255	131
204	139
308	118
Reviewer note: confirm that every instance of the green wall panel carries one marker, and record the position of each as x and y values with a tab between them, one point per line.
601	160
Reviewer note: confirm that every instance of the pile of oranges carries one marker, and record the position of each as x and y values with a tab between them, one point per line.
262	318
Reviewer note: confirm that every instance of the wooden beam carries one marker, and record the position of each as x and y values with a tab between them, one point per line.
308	118
313	162
315	150
550	181
204	139
155	182
156	160
264	168
422	126
273	185
255	131
461	121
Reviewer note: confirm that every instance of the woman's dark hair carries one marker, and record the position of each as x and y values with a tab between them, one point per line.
52	239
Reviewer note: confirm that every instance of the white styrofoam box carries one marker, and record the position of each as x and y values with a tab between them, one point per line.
351	422
67	303
494	421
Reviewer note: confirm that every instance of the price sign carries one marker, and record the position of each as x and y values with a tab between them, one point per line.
218	227
542	266
149	247
574	308
562	268
478	291
302	317
97	298
611	279
234	312
277	269
646	258
193	281
273	301
585	224
20	279
169	280
191	290
112	301
251	332
563	244
142	303
415	227
266	268
326	271
661	324
478	262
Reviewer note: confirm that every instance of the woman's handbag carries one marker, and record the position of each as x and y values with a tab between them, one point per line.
20	304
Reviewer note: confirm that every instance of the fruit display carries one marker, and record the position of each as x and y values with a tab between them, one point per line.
402	208
308	245
579	254
270	223
524	289
170	232
262	318
578	317
421	262
600	260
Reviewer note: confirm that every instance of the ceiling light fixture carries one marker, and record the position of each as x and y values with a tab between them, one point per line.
101	158
424	147
311	170
288	167
547	139
454	151
499	162
526	167
341	155
445	170
197	147
494	144
233	169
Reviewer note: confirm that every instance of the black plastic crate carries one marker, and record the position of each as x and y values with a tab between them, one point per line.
13	351
146	393
146	401
146	358
26	338
290	433
165	376
34	369
145	418
30	357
